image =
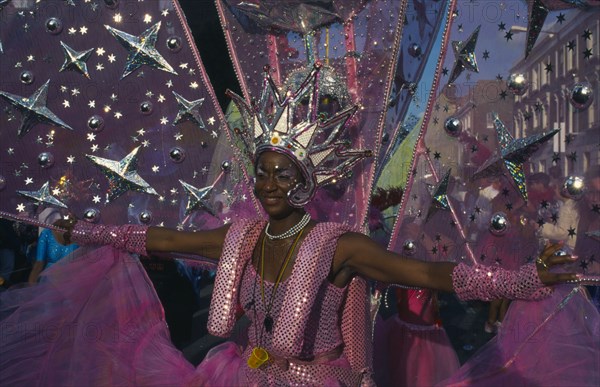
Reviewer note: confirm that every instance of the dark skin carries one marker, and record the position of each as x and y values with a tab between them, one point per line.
356	254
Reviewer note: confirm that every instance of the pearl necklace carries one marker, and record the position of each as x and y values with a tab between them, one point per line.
292	231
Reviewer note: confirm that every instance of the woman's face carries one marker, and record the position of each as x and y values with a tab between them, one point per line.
276	175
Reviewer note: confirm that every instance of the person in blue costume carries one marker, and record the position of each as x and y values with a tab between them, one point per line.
49	251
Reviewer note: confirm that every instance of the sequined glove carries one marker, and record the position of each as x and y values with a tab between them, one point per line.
488	283
128	237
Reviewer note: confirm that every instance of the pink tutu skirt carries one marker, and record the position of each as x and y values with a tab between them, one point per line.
553	342
412	355
95	320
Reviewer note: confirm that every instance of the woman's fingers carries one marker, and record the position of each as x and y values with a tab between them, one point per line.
550	249
560	259
558	278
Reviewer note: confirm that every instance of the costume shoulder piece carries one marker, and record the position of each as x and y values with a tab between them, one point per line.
237	249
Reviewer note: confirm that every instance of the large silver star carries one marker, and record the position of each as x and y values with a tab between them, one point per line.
33	110
75	60
141	50
513	153
122	175
197	198
464	54
43	196
189	110
439	197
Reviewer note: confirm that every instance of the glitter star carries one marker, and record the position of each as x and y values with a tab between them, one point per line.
71	159
96	199
34	110
188	110
571	232
100	51
122	175
537	15
513	153
211	120
197	198
141	50
92	104
20	207
75	60
164	121
43	196
571	45
464	53
439	198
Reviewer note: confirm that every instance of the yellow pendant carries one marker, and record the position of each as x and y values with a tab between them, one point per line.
258	357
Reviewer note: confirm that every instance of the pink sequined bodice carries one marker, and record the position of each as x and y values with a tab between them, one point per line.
323	332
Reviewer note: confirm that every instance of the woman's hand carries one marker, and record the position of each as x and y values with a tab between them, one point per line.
68	225
552	256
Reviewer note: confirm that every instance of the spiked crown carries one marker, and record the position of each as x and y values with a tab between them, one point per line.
290	125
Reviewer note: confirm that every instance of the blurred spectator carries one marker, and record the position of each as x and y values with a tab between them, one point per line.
9	246
49	251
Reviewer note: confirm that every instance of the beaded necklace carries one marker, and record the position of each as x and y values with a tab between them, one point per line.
292	231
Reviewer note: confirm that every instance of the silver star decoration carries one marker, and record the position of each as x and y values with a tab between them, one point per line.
33	110
464	53
439	198
43	196
513	153
141	50
189	110
76	60
122	175
197	198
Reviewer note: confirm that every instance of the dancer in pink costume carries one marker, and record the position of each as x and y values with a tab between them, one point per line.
307	315
412	348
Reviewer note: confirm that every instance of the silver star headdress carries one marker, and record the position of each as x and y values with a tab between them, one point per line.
270	124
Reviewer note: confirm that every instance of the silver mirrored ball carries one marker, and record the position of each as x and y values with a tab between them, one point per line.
91	215
145	217
146	107
96	123
174	43
517	84
582	95
27	77
177	154
54	26
45	160
573	187
453	126
499	224
414	50
409	247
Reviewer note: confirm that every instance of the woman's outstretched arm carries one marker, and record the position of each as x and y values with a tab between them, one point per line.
358	254
142	239
208	244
